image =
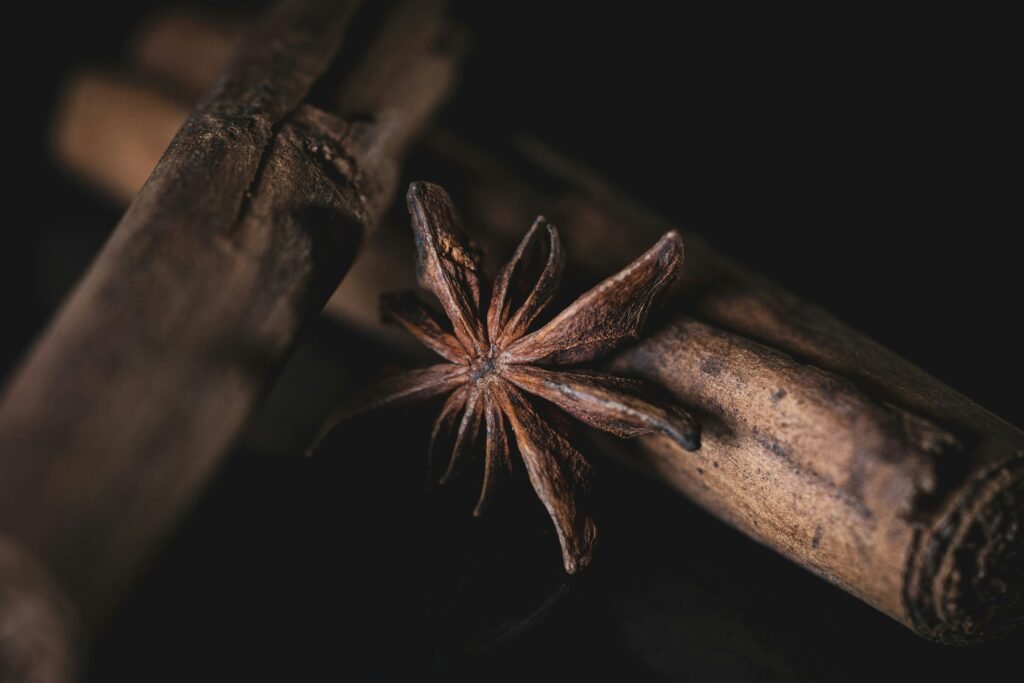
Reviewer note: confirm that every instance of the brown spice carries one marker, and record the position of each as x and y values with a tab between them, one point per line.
493	363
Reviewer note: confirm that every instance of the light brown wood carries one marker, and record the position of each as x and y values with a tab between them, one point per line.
111	131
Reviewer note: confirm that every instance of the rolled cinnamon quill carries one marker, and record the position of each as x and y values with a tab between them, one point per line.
819	442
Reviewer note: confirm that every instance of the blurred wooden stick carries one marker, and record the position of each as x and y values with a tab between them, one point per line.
135	379
141	383
851	461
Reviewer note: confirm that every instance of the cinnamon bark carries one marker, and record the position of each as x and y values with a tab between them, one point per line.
110	130
129	385
816	422
819	442
145	377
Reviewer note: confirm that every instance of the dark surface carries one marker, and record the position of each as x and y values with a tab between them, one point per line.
339	566
861	163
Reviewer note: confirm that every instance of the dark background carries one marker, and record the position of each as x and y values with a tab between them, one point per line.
862	160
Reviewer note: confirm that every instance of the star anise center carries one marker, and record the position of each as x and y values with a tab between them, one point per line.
487	366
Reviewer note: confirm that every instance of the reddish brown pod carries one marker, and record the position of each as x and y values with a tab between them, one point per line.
493	360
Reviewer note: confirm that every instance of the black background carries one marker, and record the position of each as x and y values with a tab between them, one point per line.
866	161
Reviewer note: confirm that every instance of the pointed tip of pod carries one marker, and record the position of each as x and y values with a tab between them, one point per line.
422	196
422	191
482	502
672	242
578	549
417	189
574	565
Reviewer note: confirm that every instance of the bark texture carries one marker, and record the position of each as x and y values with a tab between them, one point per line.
835	451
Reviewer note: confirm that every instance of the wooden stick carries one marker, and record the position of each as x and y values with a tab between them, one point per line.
820	443
852	488
147	374
130	385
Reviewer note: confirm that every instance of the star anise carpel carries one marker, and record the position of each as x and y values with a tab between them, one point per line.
495	367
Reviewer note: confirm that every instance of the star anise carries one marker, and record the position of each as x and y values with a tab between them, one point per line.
493	363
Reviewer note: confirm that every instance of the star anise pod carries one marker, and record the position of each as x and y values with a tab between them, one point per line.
493	363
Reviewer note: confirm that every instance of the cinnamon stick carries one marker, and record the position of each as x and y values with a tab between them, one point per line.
102	387
820	443
145	377
110	129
